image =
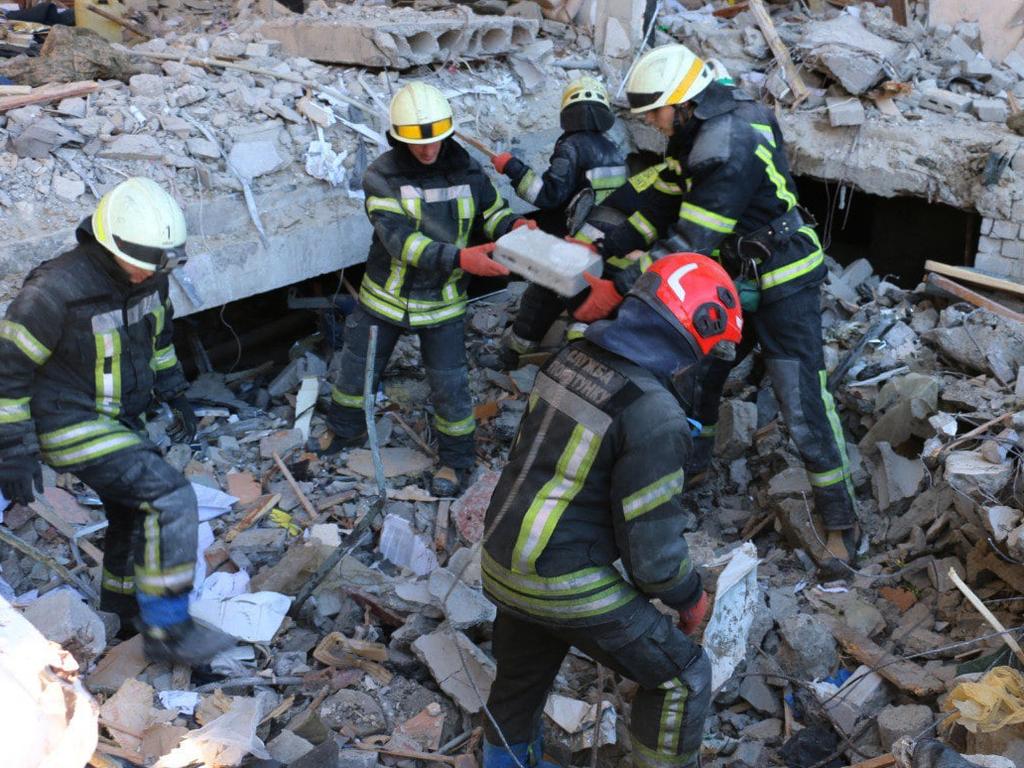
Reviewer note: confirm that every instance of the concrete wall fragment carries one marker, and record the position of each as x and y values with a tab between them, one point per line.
398	37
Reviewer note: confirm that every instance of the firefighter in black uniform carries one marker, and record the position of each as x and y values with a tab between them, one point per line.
739	205
595	476
427	200
584	158
83	348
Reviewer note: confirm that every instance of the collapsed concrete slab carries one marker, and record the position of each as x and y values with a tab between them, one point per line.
398	37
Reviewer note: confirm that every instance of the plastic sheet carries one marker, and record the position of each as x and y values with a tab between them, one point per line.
992	703
725	639
222	743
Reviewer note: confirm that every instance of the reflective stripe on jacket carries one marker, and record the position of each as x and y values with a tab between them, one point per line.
422	215
82	351
594	476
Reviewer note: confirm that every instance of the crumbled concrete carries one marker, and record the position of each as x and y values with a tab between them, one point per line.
906	720
62	617
355	711
737	422
808	650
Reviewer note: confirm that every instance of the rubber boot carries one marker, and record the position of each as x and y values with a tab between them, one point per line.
345	431
698	468
447	482
528	755
842	549
185	643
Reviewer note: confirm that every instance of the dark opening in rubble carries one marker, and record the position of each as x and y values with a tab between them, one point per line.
897	235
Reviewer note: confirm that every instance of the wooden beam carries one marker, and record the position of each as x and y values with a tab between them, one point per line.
42	508
764	21
972	297
899	11
135	30
51	92
974	276
905	675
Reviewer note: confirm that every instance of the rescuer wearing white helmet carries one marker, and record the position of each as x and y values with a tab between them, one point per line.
726	186
84	346
435	216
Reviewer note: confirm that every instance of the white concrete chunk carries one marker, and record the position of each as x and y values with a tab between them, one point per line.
547	260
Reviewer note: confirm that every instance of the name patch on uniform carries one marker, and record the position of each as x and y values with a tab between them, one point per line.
582	375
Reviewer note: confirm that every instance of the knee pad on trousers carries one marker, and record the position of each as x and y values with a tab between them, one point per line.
785	376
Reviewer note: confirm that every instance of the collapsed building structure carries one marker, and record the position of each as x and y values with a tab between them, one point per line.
262	120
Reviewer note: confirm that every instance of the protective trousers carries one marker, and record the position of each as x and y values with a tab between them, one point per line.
539	307
674	674
444	357
151	538
789	332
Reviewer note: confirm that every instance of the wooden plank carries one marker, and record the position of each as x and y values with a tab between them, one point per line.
899	11
119	21
905	675
974	276
780	51
972	297
50	92
42	508
15	90
882	761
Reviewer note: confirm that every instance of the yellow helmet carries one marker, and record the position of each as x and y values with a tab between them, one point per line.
584	89
669	74
139	222
420	114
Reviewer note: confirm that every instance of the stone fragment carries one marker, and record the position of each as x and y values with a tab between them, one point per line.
862	695
791	481
905	403
969	472
897	479
68	188
397	461
227	46
290	573
925	509
525	9
252	159
146	85
844	110
62	617
355	711
469	509
991	110
976	67
354	758
756	692
464	607
137	146
1001	521
441	650
737	422
616	39
281	442
808	650
188	94
73	107
40	138
403	546
843	48
287	747
906	720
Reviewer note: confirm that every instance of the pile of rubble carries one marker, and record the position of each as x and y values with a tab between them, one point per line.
387	657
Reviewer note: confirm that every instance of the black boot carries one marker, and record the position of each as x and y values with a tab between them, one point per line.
698	468
185	643
448	481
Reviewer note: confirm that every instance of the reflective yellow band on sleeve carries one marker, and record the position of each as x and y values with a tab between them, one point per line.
22	338
384	204
14	409
643	225
164	358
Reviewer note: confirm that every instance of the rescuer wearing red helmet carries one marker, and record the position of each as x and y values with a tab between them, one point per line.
595	476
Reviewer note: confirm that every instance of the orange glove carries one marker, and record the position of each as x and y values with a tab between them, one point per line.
590	246
528	223
690	619
500	160
477	261
601	302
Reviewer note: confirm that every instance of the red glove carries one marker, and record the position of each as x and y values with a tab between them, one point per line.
691	618
500	160
477	261
590	246
601	302
528	223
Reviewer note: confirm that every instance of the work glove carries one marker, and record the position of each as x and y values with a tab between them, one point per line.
476	260
589	246
602	301
500	160
690	618
183	424
528	223
17	476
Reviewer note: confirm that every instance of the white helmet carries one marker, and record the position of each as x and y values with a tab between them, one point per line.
669	74
420	114
139	222
584	89
719	73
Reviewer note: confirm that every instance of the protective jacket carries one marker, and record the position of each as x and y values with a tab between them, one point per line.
727	167
580	158
82	351
594	476
422	216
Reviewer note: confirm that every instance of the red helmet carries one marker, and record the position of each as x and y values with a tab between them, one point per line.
696	296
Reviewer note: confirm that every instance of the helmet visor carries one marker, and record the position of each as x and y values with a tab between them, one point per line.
158	259
641	100
418	132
